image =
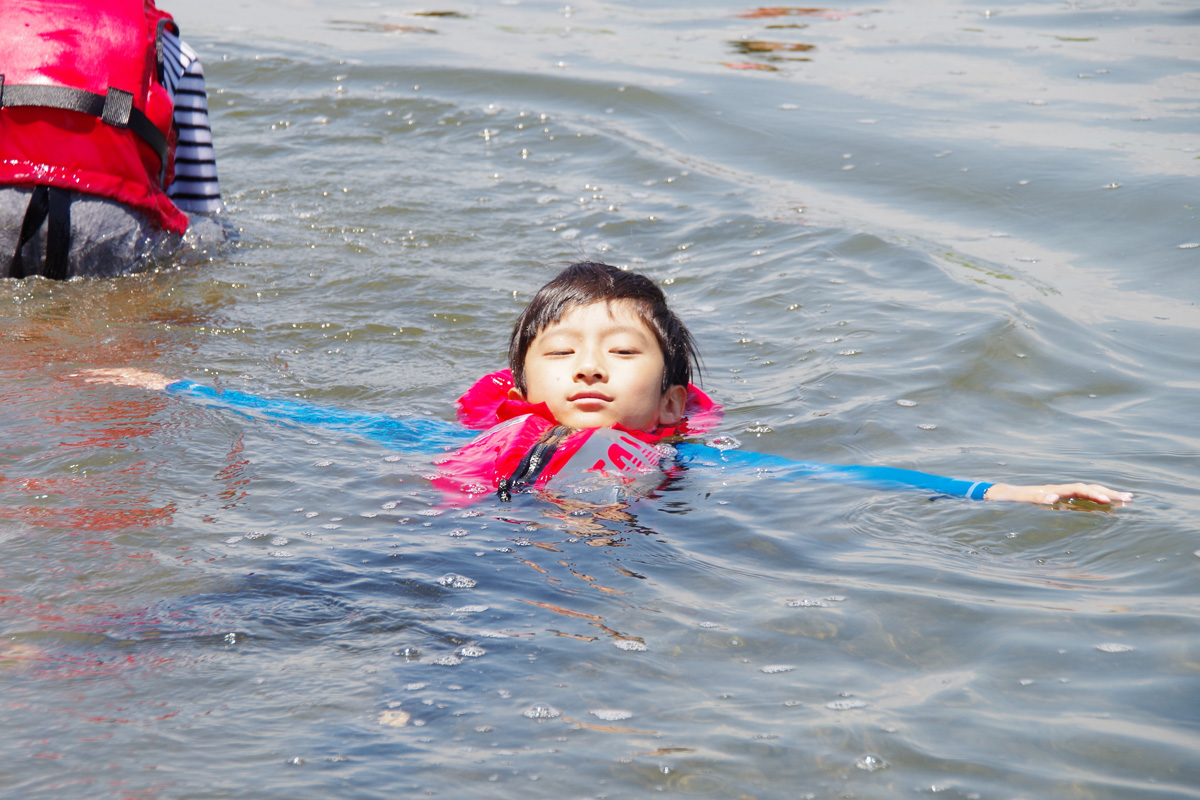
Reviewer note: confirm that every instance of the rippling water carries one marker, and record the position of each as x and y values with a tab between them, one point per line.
929	235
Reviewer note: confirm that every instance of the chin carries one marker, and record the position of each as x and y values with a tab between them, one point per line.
585	421
590	422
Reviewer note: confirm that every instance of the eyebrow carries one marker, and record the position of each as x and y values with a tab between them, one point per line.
611	330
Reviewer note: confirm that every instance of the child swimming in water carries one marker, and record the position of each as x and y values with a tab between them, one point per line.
598	390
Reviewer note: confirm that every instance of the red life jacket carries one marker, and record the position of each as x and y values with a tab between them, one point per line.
524	448
81	105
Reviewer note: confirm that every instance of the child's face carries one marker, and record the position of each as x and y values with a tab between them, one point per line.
600	365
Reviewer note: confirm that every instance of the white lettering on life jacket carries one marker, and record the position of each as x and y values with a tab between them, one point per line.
606	457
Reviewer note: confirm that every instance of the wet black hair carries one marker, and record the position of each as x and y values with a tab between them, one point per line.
587	282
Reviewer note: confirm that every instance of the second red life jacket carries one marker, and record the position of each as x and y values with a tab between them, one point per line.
81	104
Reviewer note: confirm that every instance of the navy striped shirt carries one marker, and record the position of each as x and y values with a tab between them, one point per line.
195	187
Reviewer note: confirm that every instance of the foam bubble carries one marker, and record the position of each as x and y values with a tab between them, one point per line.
629	644
724	442
471	609
453	580
845	705
541	712
610	714
774	669
1114	647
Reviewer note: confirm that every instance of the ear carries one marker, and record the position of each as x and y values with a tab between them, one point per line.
515	394
672	404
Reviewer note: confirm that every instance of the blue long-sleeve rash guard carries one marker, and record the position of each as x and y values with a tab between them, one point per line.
424	435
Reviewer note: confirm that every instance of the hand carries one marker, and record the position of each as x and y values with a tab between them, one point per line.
126	376
1051	493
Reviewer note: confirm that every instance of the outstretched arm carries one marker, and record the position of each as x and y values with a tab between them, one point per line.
890	477
787	469
413	434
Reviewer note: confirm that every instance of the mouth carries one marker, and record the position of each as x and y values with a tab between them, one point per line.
589	397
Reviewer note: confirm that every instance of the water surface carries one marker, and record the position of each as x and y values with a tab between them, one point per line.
942	236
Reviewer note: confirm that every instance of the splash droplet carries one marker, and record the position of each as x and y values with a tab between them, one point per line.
871	763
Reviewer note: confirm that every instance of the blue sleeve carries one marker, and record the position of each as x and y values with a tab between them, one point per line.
412	434
786	469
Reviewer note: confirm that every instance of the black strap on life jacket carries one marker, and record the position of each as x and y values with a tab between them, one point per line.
114	108
55	203
531	466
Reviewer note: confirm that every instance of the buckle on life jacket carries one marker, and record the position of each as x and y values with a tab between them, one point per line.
113	108
534	462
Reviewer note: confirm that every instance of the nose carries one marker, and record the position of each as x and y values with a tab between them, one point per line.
591	368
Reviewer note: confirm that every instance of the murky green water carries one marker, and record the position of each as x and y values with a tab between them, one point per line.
987	214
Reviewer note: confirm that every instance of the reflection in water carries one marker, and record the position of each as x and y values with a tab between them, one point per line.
753	48
377	27
85	518
749	65
792	11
